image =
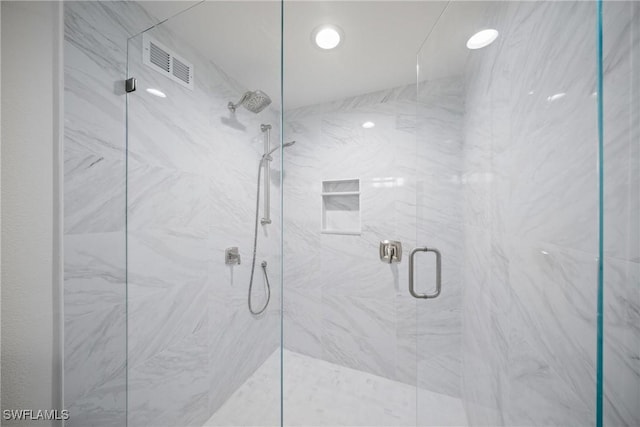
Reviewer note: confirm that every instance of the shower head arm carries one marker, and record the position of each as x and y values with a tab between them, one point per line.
233	106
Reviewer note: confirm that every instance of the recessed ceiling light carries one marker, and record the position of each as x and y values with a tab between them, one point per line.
156	92
368	125
327	36
482	38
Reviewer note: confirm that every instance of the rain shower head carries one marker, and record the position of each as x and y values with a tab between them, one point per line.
254	101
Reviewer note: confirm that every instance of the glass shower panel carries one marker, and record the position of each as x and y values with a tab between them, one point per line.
349	325
192	169
519	215
440	215
346	190
621	209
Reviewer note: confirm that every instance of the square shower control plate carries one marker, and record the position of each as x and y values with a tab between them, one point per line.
390	251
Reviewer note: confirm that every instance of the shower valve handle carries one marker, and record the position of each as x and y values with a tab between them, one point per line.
232	256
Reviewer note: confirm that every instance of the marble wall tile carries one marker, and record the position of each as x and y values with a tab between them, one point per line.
360	102
163	133
191	339
94	192
538	398
189	169
95	272
95	369
530	214
172	385
621	342
95	328
347	268
621	53
160	198
303	320
94	117
366	317
352	309
110	20
94	177
484	366
166	290
553	315
515	187
238	345
359	352
406	338
447	364
302	255
554	141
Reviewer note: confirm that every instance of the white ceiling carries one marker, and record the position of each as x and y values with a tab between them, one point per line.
379	49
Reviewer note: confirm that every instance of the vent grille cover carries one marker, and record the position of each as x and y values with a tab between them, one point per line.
159	57
164	61
181	70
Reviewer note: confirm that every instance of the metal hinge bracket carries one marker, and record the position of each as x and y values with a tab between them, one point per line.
130	85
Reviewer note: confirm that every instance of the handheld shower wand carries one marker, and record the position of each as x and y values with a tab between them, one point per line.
264	161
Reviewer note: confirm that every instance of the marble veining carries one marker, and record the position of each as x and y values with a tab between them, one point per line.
188	169
341	304
483	165
95	41
530	217
191	341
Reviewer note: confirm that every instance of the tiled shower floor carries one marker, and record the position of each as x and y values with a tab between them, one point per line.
319	393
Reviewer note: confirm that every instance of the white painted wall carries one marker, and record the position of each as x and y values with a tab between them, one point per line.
30	143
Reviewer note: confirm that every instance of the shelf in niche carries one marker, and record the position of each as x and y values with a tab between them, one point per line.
341	186
341	207
342	193
342	232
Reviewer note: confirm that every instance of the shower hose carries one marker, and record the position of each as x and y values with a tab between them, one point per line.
255	244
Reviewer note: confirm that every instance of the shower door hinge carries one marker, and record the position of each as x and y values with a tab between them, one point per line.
130	85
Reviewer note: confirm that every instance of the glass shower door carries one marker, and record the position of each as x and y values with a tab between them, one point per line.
517	218
439	262
488	159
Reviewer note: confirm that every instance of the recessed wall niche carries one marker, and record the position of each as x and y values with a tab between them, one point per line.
341	206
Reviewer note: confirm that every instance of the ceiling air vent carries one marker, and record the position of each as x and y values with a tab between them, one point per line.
164	61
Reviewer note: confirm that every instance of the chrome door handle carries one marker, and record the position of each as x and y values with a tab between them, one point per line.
412	290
